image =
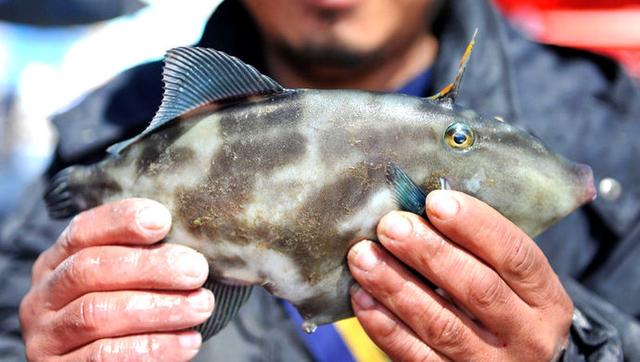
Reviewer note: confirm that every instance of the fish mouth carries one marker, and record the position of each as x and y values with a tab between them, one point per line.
587	187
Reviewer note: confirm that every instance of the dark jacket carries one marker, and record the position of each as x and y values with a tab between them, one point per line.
579	104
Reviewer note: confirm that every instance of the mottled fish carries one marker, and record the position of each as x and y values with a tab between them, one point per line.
274	185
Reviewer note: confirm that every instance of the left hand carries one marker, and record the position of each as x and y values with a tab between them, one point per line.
503	300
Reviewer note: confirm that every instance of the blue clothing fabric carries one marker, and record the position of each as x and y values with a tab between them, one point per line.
325	344
581	105
419	85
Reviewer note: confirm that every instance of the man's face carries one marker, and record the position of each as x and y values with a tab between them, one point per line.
338	33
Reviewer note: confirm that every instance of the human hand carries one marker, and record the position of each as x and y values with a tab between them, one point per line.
503	300
104	292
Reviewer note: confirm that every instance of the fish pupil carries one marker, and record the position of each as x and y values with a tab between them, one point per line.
459	138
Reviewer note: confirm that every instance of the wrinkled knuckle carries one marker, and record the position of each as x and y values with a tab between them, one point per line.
389	330
64	241
391	337
152	347
427	356
70	233
88	317
406	349
385	290
437	245
487	290
74	269
70	237
520	262
98	351
443	331
69	274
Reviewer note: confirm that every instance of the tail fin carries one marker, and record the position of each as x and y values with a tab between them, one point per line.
59	197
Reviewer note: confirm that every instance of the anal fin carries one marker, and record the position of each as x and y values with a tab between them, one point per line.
229	298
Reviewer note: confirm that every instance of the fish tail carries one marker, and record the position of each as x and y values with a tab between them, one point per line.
61	196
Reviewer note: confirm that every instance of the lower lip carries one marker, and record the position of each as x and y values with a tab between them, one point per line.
332	4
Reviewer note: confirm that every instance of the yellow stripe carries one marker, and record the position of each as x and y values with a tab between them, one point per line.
361	346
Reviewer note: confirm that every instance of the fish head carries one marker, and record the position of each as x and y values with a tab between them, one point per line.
509	169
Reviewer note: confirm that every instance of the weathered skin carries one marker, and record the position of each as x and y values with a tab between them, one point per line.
274	191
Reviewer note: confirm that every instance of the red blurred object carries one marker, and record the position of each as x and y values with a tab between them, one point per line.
610	27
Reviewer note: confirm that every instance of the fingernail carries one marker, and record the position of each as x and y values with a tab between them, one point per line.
153	217
361	297
201	301
396	226
192	264
442	205
190	340
364	257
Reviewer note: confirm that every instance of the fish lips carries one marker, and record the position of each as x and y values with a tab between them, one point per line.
585	180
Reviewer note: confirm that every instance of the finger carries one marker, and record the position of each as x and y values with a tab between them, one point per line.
182	346
470	282
126	222
391	335
112	314
107	268
487	234
442	327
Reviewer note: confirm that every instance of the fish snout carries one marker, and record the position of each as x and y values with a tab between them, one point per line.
585	181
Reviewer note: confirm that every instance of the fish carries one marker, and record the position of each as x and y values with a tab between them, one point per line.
274	185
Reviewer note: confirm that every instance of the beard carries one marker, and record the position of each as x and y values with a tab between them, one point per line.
329	60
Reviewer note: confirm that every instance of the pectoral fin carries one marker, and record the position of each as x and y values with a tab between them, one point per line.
229	299
408	195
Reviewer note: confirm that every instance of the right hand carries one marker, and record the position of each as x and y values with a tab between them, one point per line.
103	291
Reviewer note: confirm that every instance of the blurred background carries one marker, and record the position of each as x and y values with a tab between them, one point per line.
52	52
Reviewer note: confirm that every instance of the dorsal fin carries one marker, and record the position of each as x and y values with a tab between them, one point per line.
194	77
447	95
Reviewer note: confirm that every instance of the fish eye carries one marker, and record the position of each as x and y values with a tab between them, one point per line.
459	136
